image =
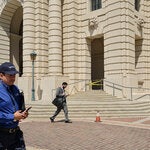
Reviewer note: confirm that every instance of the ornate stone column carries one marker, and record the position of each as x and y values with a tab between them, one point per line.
24	82
145	71
28	35
119	44
41	37
55	38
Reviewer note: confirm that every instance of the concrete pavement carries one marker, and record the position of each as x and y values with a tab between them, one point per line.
110	134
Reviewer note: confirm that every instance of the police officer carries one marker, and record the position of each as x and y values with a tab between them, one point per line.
11	110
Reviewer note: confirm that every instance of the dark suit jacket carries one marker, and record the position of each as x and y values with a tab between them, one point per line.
60	93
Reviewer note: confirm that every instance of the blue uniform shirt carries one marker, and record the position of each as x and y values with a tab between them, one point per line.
10	102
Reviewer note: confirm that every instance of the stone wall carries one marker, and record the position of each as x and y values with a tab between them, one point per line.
61	32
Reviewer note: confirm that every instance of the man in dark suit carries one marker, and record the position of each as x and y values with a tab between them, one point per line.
61	96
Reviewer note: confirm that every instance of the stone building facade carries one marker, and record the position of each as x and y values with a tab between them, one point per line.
77	41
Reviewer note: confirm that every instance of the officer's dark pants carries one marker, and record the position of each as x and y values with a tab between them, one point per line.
65	109
12	141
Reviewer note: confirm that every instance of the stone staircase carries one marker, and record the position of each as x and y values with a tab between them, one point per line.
85	105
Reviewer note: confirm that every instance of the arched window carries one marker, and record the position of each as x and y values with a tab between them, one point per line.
96	4
137	4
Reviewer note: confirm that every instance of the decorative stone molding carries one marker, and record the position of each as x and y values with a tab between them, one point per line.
140	83
140	22
93	23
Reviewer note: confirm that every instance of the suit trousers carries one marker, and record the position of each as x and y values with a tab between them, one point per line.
65	109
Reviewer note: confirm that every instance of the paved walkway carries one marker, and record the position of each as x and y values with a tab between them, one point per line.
109	134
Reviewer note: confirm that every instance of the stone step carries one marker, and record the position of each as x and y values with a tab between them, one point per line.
86	105
88	112
93	115
91	107
96	105
73	101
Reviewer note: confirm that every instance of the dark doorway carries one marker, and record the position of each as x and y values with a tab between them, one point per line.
16	44
97	63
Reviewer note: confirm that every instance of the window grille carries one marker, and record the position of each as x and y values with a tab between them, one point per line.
137	4
96	4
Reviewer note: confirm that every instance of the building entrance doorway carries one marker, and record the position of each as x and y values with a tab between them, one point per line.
97	63
16	33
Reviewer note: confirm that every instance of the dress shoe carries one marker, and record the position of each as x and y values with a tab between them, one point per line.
52	120
68	121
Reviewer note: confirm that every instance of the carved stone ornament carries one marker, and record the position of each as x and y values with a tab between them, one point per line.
140	22
93	23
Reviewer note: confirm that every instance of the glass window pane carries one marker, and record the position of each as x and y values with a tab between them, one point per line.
137	4
96	4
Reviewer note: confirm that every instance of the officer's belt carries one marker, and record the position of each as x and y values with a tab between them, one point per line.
9	130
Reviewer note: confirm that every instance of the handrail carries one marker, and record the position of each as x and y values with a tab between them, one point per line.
131	89
125	86
100	82
79	81
142	96
74	87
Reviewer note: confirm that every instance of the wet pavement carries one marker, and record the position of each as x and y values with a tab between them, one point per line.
109	134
